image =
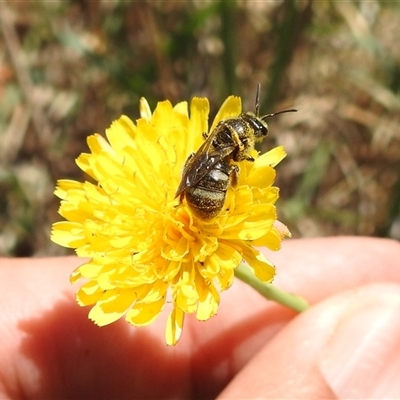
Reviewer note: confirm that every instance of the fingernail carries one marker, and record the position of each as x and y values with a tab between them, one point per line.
362	357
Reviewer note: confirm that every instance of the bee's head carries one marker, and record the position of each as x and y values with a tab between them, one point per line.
259	126
258	123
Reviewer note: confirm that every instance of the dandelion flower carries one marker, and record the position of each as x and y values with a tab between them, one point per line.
147	250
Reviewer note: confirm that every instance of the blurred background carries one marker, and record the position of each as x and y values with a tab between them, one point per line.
68	68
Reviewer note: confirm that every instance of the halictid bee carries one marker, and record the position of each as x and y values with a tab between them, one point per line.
208	173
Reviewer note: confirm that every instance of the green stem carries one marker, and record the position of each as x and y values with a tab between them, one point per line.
270	291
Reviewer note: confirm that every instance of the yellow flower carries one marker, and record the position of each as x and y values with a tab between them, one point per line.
146	251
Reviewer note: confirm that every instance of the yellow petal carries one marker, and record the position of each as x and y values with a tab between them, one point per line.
142	314
83	162
225	278
89	270
184	290
282	229
97	144
262	267
272	157
144	109
258	224
177	252
208	304
89	293
174	326
68	234
182	108
112	306
163	118
64	186
225	257
261	177
272	240
231	108
121	133
199	110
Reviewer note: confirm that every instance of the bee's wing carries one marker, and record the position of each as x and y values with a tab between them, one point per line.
199	164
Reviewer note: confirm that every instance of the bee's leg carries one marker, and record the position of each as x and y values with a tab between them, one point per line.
234	175
205	135
237	154
250	158
236	139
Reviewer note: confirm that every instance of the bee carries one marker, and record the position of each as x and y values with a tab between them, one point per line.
208	173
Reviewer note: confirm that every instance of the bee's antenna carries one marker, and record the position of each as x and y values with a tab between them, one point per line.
258	99
278	112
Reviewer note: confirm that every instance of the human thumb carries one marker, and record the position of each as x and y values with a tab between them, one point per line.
347	346
361	357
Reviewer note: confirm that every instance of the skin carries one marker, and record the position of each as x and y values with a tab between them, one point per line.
347	345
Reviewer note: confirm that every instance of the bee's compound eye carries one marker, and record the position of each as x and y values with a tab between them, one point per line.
260	127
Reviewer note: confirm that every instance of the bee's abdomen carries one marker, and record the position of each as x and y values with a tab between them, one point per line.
207	198
205	203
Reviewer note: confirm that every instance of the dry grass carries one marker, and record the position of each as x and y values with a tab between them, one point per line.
67	69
